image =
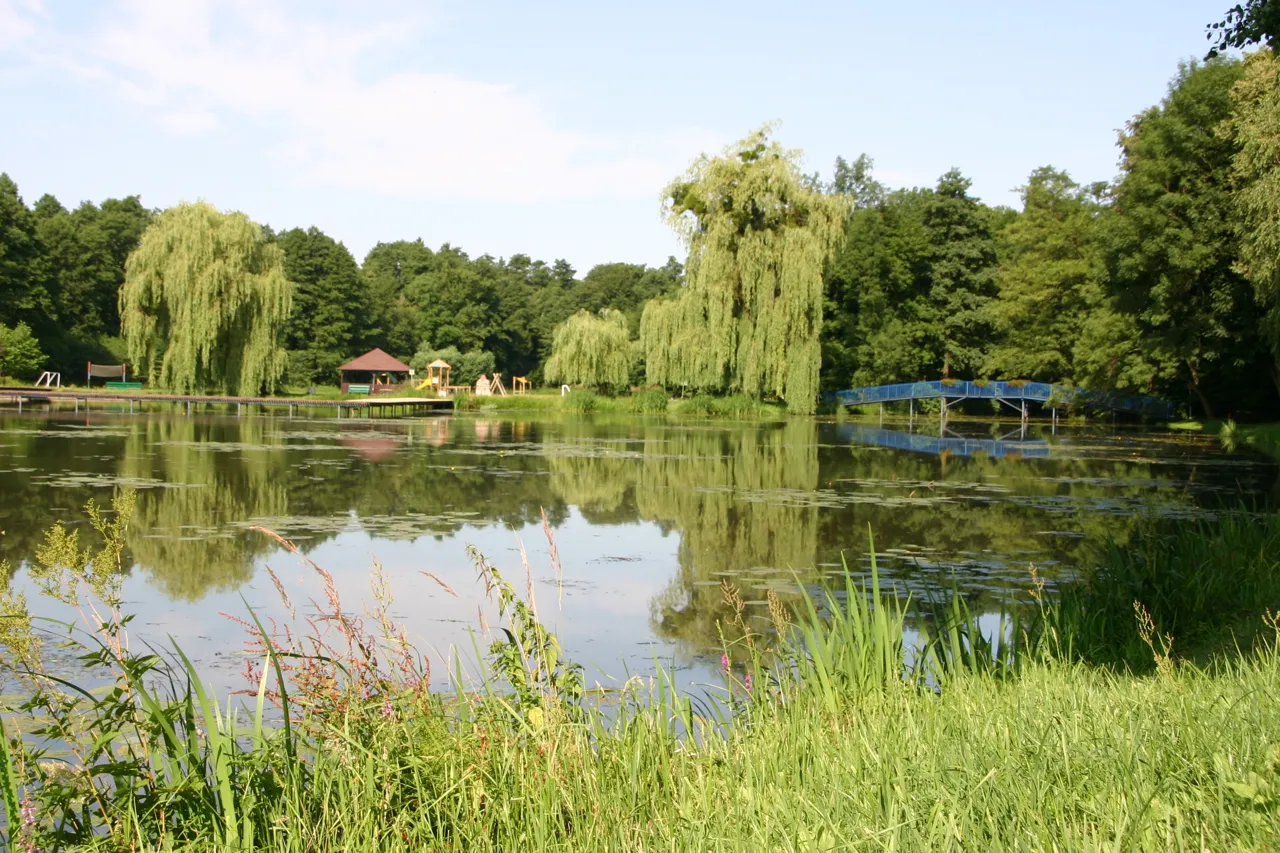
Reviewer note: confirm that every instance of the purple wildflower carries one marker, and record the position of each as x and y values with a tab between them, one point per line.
387	710
724	664
747	683
28	815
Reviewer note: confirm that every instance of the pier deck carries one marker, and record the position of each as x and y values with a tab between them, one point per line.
362	407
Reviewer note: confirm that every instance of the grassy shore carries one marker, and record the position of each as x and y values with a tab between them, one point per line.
1083	727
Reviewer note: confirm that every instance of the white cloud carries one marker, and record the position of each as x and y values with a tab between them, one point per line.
17	21
202	67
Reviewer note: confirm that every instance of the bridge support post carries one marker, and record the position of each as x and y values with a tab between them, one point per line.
882	414
911	418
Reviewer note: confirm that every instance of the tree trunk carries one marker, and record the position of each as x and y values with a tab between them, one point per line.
1194	385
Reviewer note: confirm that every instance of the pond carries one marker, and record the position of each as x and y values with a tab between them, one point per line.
648	516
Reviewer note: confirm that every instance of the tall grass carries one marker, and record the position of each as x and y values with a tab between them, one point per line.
825	731
1195	588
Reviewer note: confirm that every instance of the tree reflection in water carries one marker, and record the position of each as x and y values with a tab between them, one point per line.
751	503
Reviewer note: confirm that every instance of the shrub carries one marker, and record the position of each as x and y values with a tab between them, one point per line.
651	401
20	353
581	402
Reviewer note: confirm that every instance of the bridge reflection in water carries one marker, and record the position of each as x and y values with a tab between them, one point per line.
1015	444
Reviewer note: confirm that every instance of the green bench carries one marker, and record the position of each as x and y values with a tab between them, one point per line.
124	386
358	389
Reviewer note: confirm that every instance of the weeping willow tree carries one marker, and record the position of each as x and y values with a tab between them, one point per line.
592	349
204	302
759	236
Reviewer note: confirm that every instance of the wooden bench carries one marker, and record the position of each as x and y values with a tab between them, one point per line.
358	389
124	386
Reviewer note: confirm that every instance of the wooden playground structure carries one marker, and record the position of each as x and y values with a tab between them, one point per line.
440	373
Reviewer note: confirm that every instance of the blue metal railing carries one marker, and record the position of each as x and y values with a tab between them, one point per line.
1038	391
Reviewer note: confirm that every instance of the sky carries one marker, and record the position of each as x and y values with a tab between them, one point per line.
550	128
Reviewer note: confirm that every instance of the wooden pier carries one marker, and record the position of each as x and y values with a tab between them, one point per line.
374	406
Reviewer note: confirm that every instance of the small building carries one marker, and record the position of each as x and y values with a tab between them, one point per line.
375	372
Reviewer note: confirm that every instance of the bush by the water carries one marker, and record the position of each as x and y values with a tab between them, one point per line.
731	406
824	731
651	401
581	402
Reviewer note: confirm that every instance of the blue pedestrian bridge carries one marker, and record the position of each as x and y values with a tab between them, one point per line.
1014	393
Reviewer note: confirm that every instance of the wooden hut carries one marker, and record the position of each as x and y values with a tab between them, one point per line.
375	372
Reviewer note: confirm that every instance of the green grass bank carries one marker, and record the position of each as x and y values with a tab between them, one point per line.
1085	725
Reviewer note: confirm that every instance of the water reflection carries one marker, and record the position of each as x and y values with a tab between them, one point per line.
760	505
1013	443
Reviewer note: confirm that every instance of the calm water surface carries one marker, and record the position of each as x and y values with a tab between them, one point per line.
648	516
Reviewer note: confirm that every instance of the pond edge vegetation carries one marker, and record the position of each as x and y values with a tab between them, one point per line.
1137	711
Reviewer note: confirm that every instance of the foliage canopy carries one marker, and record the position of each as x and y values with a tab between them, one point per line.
204	303
750	314
593	350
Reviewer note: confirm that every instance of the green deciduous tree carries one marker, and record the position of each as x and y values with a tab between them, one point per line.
593	350
20	353
626	288
87	249
386	272
1052	276
24	280
1244	24
1255	129
332	316
750	314
204	302
961	274
1174	243
878	320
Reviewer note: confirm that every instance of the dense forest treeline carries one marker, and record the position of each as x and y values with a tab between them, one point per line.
1159	281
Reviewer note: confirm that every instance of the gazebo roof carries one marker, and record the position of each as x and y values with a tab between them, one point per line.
440	362
375	360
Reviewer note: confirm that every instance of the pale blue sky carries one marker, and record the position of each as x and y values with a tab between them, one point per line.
550	128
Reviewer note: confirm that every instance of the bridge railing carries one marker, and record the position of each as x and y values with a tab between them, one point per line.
1043	392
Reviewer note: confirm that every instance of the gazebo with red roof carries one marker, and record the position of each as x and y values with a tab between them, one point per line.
376	371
